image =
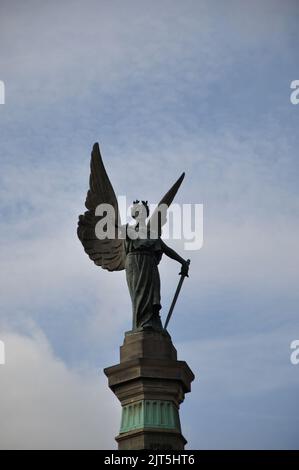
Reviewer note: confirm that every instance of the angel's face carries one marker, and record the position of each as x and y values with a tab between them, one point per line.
139	212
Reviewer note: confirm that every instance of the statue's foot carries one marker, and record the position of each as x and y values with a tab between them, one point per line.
153	324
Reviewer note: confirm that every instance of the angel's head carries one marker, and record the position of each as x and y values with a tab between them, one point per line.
140	210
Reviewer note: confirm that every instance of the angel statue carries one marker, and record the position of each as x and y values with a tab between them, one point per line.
136	248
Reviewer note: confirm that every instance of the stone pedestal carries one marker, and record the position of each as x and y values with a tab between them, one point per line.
150	383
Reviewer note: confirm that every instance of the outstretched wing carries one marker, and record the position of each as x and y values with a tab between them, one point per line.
159	216
107	253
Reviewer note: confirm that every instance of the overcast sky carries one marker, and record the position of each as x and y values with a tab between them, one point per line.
165	87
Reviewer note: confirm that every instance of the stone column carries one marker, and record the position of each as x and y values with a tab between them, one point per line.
150	384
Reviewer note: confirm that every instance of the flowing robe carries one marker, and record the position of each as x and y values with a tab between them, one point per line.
143	279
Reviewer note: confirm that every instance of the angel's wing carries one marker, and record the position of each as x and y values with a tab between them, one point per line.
107	253
159	216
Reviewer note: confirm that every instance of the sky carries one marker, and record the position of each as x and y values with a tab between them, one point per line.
164	87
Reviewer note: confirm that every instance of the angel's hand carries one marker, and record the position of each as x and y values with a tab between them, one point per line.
185	268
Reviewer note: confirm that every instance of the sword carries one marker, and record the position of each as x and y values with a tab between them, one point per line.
175	296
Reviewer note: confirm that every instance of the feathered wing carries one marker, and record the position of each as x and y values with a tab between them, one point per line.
159	216
107	253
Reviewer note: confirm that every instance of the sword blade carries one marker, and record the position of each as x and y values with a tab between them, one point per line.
174	300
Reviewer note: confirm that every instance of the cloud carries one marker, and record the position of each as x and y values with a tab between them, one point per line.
106	46
46	405
165	87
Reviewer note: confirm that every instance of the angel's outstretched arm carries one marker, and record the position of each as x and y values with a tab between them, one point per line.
174	255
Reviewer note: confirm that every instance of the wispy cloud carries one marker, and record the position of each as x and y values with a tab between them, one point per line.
165	87
46	405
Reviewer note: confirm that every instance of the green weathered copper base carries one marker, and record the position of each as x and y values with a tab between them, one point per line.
150	414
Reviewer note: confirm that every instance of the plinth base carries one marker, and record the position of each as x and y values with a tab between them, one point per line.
150	383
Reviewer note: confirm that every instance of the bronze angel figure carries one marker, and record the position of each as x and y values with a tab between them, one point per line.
138	249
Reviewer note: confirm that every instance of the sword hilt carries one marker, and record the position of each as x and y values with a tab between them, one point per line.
181	271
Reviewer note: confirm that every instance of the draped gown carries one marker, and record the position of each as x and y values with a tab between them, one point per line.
143	279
